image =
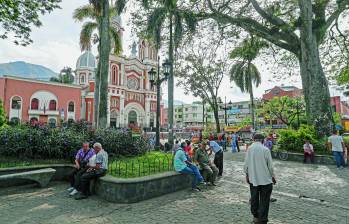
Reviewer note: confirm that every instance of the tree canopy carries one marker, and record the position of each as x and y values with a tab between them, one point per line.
66	75
17	17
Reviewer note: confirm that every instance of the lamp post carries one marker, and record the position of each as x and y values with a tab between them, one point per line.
203	113
225	108
157	82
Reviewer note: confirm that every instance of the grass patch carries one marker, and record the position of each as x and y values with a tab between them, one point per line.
148	164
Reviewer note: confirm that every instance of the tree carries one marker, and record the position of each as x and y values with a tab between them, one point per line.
200	72
284	109
88	33
2	114
299	27
166	14
65	76
18	17
243	72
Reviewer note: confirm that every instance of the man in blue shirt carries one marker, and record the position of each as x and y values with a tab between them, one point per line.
218	156
183	165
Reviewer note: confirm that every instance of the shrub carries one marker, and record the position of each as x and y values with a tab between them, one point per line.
293	140
40	141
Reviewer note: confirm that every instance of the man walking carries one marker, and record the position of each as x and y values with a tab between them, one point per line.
209	170
336	144
218	156
260	176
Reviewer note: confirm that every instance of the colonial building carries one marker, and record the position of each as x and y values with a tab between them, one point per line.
279	91
132	99
33	100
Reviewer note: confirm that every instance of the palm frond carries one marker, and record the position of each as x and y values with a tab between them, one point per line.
86	35
97	5
190	21
243	74
178	34
155	22
255	75
120	6
84	12
115	40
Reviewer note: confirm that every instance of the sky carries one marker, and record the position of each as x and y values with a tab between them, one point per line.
56	45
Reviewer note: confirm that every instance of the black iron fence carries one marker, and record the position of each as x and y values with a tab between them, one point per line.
138	167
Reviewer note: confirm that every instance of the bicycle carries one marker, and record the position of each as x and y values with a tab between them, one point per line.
279	153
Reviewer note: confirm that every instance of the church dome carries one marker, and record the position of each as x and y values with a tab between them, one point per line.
86	61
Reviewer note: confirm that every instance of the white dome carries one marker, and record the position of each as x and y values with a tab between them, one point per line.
86	61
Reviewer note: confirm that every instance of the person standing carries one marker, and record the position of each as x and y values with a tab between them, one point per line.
224	142
209	170
308	151
233	142
260	176
336	145
218	156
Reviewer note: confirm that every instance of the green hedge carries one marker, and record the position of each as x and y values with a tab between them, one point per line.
43	142
293	140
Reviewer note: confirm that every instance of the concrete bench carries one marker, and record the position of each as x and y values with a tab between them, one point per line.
41	176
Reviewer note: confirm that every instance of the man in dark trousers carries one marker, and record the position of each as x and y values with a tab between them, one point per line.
218	155
260	176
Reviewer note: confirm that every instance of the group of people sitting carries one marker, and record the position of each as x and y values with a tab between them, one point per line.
90	163
204	161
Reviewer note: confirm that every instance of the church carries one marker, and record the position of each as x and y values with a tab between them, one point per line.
132	99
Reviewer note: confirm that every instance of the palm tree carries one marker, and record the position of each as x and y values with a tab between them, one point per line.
166	14
244	73
88	33
100	13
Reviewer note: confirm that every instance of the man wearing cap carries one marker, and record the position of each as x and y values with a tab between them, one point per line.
218	155
209	170
260	176
100	169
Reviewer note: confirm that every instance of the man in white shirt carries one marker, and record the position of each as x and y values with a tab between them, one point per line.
218	155
260	176
336	145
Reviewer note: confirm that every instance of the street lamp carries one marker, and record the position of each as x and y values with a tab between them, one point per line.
225	108
157	82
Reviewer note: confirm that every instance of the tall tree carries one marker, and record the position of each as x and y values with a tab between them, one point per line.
18	17
65	76
244	73
201	71
299	27
101	8
90	30
165	14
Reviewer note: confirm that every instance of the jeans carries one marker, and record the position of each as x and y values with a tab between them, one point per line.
218	161
75	177
339	157
260	199
233	147
193	170
209	173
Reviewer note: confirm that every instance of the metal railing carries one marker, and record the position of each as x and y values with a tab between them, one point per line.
138	167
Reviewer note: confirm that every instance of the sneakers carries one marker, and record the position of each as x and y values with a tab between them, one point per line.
74	192
70	189
196	189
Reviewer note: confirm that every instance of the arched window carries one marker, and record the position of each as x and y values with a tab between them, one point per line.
71	107
34	104
114	75
52	105
16	103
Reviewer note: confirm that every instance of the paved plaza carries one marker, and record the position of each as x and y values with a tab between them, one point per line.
305	194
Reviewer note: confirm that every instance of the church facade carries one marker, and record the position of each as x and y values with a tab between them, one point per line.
131	98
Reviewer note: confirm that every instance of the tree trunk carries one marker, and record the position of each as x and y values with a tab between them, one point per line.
97	82
315	85
252	103
170	87
216	117
104	65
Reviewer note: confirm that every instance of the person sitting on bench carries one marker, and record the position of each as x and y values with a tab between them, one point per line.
209	170
82	158
93	172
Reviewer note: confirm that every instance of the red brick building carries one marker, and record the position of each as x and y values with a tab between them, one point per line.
34	100
279	91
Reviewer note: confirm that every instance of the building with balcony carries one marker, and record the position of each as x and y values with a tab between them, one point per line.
33	100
